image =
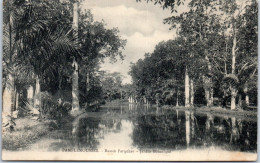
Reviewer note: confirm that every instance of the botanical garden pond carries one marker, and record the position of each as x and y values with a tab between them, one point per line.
132	128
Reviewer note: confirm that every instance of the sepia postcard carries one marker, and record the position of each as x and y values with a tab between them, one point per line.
129	80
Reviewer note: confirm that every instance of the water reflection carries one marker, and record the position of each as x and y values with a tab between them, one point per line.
234	130
118	140
188	128
142	127
86	132
181	130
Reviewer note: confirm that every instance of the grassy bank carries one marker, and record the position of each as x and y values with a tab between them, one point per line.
26	132
117	102
219	111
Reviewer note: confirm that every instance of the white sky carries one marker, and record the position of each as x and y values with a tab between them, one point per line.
140	23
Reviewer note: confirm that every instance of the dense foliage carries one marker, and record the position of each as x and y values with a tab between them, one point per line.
213	58
40	48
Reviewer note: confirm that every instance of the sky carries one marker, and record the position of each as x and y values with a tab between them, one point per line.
140	23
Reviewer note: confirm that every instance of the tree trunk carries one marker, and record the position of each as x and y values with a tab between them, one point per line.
17	101
177	97
233	98
234	54
37	95
8	96
209	121
16	104
177	100
187	89
75	75
211	97
240	102
247	100
208	90
8	93
87	87
208	83
206	95
144	98
75	88
233	88
177	115
130	99
207	80
87	83
246	92
191	92
15	92
30	95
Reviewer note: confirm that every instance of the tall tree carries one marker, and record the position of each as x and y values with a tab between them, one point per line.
243	62
198	25
12	12
75	75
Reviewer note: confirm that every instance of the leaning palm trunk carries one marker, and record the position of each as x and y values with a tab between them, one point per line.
75	75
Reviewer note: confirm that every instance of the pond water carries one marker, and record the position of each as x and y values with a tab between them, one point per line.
138	128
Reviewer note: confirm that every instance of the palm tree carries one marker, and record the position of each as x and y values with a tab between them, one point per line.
31	38
12	12
75	75
46	44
